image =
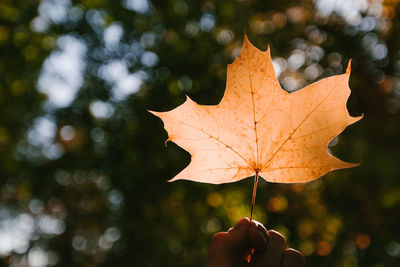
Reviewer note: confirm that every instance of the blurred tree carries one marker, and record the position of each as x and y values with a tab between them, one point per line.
83	166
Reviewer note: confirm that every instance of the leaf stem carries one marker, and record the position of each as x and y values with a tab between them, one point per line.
254	195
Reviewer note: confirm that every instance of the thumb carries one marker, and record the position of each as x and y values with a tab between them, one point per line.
230	248
238	232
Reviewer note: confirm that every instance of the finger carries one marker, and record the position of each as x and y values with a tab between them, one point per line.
235	236
293	258
218	238
261	228
257	236
238	233
272	255
276	245
223	239
240	227
238	247
229	248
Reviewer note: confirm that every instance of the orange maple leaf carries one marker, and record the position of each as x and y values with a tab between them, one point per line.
258	128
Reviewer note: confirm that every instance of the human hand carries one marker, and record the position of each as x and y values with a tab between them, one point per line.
232	248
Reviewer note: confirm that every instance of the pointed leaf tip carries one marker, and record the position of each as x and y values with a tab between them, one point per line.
155	113
245	36
246	41
172	180
268	51
348	69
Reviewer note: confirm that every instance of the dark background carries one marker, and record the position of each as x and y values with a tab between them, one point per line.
84	169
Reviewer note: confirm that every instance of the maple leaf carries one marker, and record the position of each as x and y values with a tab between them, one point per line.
259	128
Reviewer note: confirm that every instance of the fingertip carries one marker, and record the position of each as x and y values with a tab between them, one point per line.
238	233
273	251
217	237
292	257
261	228
243	220
277	238
240	224
256	238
